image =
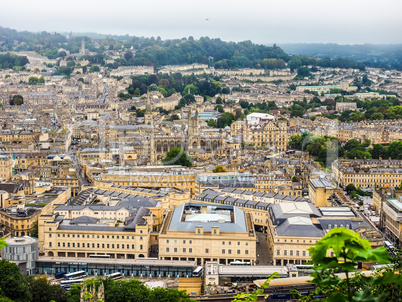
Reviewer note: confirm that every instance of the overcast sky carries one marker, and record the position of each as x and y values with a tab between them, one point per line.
262	21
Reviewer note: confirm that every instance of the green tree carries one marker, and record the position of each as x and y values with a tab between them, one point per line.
32	81
295	179
193	90
219	100
378	151
377	116
94	68
212	123
42	290
170	295
12	283
34	230
296	142
17	100
128	290
394	150
350	187
226	119
219	108
340	251
219	169
177	156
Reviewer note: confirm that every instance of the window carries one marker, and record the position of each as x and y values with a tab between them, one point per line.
167	241
238	252
184	241
238	242
175	249
132	246
229	251
190	241
223	251
184	250
297	253
246	252
285	252
278	252
206	251
58	244
223	242
198	231
291	252
141	247
304	253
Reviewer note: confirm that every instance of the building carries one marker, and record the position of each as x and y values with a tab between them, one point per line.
294	227
344	106
368	173
320	190
6	167
200	232
391	220
22	251
19	218
263	130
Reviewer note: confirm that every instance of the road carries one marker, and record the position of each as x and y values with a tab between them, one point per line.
81	179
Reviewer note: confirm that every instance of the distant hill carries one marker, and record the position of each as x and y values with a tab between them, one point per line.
381	55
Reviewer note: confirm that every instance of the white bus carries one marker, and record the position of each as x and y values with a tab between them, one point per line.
115	276
67	284
240	263
198	271
76	275
99	256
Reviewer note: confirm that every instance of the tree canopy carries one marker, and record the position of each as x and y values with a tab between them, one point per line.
177	156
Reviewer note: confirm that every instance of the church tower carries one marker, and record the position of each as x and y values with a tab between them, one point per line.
148	111
82	49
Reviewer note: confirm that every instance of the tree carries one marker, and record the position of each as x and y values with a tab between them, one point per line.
177	156
219	108
350	187
131	290
226	119
295	179
340	251
219	169
128	56
17	100
170	295
34	229
378	151
377	116
212	123
193	90
32	81
43	290
295	142
12	283
395	150
94	68
219	100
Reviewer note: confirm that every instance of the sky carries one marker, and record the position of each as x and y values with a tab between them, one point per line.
261	21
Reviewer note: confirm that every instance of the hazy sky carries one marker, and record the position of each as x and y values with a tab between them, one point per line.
262	21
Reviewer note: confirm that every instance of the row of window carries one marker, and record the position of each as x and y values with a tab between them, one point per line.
190	250
97	236
291	240
291	253
98	245
190	242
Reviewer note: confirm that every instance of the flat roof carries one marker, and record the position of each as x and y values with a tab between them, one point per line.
251	270
137	261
